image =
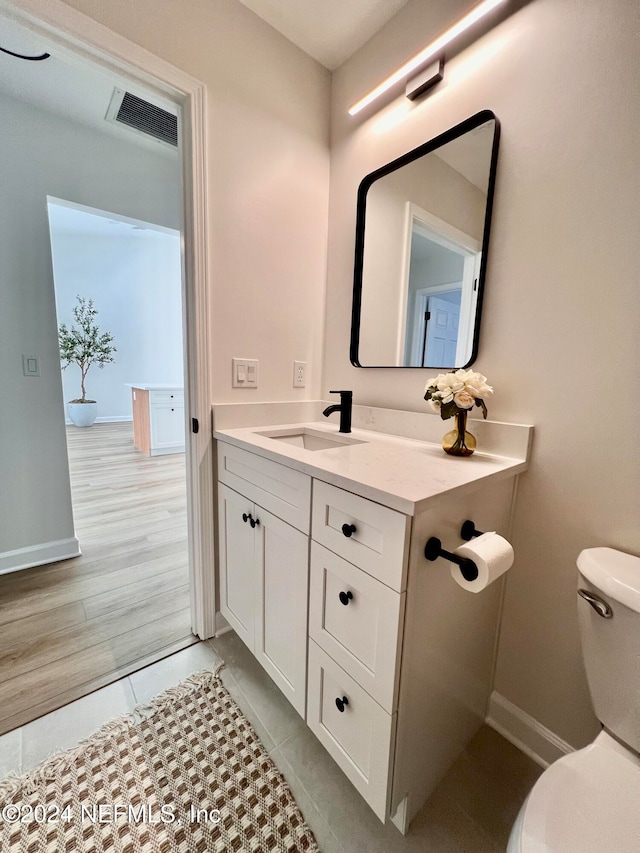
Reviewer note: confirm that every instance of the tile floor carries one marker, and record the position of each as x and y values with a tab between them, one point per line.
471	811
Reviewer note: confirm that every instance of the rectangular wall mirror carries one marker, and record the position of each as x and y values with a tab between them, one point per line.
422	235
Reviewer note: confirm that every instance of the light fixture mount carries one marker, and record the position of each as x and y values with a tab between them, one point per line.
432	50
425	79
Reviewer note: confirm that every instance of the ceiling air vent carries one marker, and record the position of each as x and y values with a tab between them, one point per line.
144	117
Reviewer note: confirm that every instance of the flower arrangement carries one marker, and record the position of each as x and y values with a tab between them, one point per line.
456	392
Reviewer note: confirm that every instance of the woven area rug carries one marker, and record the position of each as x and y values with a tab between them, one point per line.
184	773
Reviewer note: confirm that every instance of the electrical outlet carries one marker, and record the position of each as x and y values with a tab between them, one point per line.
299	374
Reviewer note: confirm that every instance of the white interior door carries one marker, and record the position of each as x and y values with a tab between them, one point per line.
443	320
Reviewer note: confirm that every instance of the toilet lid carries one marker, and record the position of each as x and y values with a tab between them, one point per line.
587	802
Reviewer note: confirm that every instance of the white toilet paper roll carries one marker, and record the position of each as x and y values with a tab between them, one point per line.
491	553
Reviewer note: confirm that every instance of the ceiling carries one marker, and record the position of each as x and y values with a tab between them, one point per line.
66	217
66	84
328	30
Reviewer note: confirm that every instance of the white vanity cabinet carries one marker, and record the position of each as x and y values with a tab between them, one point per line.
264	564
411	652
333	593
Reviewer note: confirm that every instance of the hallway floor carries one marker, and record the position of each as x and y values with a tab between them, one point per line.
471	811
73	626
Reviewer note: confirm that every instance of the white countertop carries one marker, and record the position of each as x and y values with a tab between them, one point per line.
401	473
152	386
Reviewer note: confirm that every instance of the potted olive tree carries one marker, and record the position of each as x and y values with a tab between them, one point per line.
83	344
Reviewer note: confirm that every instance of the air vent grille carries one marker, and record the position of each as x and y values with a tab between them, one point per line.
146	117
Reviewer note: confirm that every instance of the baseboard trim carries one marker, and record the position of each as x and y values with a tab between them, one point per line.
38	555
116	419
525	732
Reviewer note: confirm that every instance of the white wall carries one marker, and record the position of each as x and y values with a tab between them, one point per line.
43	155
134	278
559	336
268	114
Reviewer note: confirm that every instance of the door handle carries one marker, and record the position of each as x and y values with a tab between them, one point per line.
599	605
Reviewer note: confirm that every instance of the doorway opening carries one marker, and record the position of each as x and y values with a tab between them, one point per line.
40	624
439	292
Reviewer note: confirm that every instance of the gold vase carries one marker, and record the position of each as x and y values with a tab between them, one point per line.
459	442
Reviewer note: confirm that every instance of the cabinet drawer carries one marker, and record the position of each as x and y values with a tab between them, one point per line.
378	543
280	490
167	395
358	621
360	737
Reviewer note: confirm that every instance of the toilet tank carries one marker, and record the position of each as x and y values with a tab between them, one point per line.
611	642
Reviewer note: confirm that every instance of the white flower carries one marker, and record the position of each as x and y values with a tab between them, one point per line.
463	399
457	390
449	383
476	384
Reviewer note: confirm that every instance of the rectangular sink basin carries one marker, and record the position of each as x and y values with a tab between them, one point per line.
310	439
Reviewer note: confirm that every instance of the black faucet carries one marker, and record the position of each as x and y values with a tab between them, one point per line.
346	402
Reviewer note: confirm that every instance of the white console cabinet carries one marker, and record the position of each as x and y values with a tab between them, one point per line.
387	658
158	418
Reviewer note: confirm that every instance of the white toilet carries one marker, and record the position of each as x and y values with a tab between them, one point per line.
589	801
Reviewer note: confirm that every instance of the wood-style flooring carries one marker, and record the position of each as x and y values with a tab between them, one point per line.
70	627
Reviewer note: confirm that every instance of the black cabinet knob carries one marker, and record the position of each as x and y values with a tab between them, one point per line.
247	517
254	522
348	529
341	704
345	597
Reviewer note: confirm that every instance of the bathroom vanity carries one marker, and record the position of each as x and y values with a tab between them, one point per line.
323	576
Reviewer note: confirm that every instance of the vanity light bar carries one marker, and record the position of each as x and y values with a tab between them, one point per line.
427	52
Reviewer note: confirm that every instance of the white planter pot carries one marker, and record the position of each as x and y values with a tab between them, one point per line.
82	414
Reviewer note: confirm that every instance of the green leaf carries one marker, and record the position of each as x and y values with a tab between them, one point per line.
448	410
481	404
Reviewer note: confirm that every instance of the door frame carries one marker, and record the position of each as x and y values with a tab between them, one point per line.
81	34
455	240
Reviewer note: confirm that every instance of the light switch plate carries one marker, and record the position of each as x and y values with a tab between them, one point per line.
244	372
31	365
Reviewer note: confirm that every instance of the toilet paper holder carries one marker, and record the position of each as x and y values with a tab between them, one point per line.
468	530
433	549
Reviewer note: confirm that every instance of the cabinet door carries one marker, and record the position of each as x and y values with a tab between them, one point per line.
167	426
281	617
238	578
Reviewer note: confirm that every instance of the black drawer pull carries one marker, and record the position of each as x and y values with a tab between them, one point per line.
254	522
341	704
348	529
345	597
246	516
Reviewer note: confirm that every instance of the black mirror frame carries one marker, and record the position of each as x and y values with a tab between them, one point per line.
437	142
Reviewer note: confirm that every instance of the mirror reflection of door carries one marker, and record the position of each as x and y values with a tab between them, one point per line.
442	192
440	323
440	292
